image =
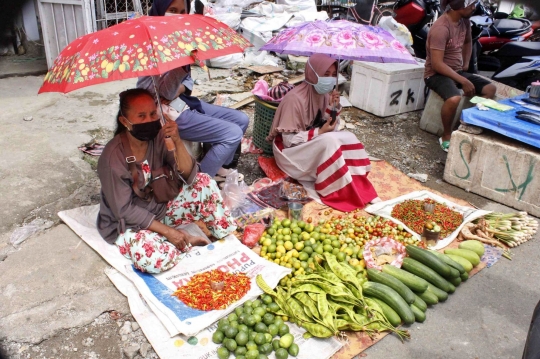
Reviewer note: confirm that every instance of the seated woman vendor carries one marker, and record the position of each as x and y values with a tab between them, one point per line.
144	228
332	165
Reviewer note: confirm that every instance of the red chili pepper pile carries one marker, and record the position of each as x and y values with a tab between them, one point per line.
198	294
411	212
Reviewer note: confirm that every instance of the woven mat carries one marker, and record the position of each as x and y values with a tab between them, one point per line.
389	183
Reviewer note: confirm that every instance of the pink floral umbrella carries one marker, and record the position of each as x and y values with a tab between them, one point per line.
342	40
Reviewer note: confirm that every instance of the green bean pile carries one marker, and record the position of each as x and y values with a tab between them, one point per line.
328	301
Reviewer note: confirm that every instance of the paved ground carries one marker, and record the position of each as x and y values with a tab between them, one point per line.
56	302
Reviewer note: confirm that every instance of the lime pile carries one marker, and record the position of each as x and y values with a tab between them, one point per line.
251	332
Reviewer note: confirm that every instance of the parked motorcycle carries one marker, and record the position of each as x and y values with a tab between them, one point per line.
417	15
498	28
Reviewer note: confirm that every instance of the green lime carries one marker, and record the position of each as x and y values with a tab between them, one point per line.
275	344
278	321
271	248
248	303
240	357
273	307
259	311
231	345
234	324
242	318
260	339
261	328
222	322
286	340
256	303
286	223
243	328
281	353
273	330
268	318
328	248
240	351
262	356
248	310
294	349
252	335
250	321
232	317
238	311
252	354
268	337
223	353
283	329
301	224
231	332
341	256
308	250
218	337
224	328
257	317
266	299
241	338
266	348
251	345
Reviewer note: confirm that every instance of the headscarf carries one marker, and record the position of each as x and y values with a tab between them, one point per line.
299	107
160	6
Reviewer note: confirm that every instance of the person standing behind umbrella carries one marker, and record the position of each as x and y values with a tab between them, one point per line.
222	128
331	164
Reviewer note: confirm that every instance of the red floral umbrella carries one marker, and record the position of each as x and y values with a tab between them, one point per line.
143	46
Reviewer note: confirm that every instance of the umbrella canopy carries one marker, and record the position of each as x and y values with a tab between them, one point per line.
145	46
340	39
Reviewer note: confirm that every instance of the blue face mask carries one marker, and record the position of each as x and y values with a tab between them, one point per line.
324	84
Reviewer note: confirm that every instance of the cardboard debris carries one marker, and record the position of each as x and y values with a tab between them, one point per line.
266	69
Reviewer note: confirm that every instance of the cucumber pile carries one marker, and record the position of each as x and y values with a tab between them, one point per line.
425	278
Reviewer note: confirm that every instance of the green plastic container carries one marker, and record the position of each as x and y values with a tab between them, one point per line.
264	115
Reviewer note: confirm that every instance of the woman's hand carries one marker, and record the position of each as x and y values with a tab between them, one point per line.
177	238
334	98
170	129
327	127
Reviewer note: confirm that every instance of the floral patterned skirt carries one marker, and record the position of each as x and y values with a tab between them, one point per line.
153	253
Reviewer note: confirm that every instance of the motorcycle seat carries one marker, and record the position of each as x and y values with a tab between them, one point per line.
507	28
519	49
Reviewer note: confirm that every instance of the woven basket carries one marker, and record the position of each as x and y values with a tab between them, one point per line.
264	115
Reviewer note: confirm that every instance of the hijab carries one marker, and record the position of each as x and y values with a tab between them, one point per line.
160	6
299	107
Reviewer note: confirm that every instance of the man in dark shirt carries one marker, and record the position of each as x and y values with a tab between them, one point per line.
449	47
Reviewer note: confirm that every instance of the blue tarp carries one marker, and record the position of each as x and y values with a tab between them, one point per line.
506	122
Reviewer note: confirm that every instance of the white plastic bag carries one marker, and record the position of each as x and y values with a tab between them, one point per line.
22	233
227	61
398	31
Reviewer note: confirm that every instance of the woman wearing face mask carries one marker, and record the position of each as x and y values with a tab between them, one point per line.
218	127
331	164
144	230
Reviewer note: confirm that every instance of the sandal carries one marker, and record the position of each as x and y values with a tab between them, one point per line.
445	145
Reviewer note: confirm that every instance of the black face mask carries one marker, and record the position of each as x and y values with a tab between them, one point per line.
146	131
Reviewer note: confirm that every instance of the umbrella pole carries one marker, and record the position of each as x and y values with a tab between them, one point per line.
168	141
334	112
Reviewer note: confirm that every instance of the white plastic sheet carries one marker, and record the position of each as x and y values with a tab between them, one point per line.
227	254
384	209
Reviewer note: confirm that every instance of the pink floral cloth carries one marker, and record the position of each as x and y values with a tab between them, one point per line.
153	253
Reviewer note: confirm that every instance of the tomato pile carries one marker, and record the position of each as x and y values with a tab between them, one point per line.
296	245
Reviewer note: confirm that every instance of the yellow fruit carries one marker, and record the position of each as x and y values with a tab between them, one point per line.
139	49
160	48
140	56
125	58
122	68
167	52
189	47
144	61
81	60
181	45
212	37
280	249
84	72
267	242
81	66
104	63
109	67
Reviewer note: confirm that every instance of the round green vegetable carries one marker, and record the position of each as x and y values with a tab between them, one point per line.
282	353
241	338
286	340
294	349
223	353
218	336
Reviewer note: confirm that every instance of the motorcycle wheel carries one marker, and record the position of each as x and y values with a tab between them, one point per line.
380	12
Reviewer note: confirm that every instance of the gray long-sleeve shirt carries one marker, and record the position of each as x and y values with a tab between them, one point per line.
120	207
168	84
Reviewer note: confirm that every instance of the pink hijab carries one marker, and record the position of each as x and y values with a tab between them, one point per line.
298	109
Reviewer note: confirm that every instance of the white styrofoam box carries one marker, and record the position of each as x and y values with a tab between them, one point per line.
497	168
386	89
431	116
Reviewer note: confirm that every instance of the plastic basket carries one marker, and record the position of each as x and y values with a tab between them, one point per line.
264	115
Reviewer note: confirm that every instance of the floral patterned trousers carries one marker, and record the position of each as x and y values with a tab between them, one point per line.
153	253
